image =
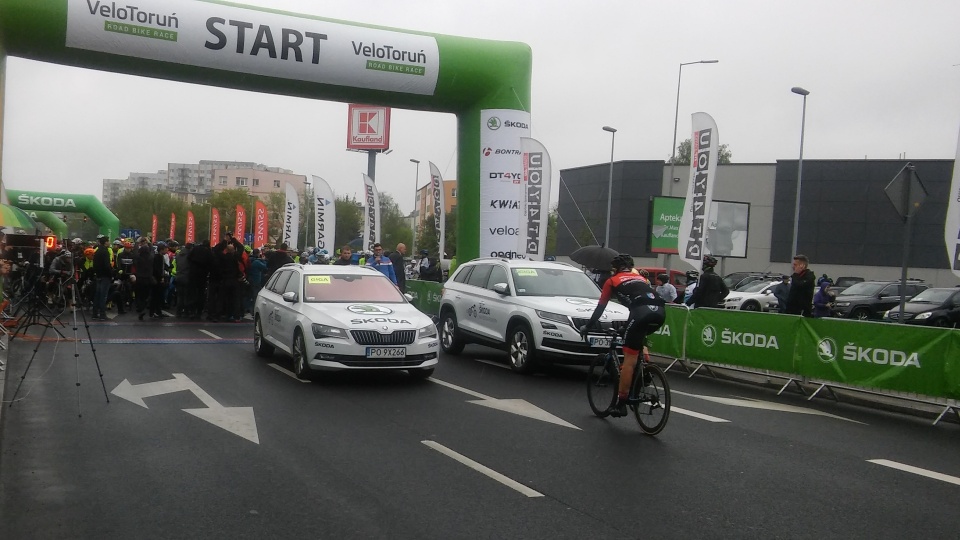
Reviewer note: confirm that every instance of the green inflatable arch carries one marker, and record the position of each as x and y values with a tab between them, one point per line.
485	83
51	220
60	202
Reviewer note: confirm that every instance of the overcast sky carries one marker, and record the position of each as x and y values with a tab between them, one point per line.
882	75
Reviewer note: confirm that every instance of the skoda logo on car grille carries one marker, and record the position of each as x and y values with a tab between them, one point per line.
827	350
368	309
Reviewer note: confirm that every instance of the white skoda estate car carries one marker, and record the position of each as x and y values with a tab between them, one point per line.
532	309
332	318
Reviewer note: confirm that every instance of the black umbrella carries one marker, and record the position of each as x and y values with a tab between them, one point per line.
594	257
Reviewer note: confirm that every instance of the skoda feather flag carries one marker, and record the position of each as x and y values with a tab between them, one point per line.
371	214
439	209
951	226
704	151
536	198
291	218
325	212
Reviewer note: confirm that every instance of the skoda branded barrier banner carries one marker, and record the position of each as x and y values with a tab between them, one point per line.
439	209
704	151
668	340
325	214
536	198
291	218
260	222
501	182
742	338
665	215
426	295
951	227
371	213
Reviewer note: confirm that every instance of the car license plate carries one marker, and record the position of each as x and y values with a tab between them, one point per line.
599	341
386	352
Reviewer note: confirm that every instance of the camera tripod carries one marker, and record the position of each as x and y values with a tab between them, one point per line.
76	352
31	304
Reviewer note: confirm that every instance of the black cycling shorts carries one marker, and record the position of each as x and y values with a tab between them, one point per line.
644	320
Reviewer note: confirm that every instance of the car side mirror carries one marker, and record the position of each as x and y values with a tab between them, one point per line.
290	297
501	288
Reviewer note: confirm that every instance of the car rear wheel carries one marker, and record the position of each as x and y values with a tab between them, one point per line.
450	339
260	345
860	314
940	323
750	306
522	350
301	368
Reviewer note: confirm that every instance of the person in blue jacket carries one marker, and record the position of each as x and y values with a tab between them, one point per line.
382	263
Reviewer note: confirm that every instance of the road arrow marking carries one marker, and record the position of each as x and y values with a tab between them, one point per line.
516	406
766	405
237	420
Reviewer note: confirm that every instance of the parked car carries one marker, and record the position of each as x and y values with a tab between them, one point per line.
532	309
735	280
870	299
677	278
932	307
755	296
331	318
843	282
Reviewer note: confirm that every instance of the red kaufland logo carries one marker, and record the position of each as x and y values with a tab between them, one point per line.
369	128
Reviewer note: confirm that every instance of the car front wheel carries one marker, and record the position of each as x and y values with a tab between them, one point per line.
522	350
750	306
450	340
260	345
860	314
301	367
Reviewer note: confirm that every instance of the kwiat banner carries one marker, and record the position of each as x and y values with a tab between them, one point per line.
439	209
214	227
173	225
325	212
260	224
240	223
153	228
704	150
951	227
502	223
536	198
291	218
371	214
191	228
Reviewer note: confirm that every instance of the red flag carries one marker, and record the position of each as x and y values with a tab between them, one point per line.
153	229
240	224
214	226
191	227
260	225
173	225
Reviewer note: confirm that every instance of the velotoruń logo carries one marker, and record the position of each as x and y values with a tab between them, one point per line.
493	123
709	335
367	309
827	350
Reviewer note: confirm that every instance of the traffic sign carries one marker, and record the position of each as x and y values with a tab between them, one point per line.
906	191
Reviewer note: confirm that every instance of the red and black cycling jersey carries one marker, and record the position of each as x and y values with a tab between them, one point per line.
631	290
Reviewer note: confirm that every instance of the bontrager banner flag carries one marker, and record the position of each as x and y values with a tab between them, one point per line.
704	150
951	226
153	229
260	222
439	209
191	228
325	210
173	226
536	198
214	227
501	182
240	223
371	214
291	218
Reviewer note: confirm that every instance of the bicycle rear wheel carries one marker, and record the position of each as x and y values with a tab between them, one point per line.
653	409
602	381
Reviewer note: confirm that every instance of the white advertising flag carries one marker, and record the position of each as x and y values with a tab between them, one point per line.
291	218
704	151
371	214
951	227
439	208
325	212
536	198
501	182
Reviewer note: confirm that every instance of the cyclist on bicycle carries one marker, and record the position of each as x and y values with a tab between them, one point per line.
647	313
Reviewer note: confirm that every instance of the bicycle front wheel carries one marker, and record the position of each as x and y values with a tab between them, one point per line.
603	378
653	392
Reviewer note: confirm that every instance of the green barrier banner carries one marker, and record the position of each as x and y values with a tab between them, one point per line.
426	295
743	338
951	371
876	355
668	341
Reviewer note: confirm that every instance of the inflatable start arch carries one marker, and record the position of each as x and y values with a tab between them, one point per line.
485	83
60	202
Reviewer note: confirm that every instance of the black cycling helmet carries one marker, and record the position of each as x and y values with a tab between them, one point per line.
709	261
622	262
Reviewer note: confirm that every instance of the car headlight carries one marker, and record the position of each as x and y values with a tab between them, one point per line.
732	299
922	316
886	314
429	331
842	304
322	331
556	317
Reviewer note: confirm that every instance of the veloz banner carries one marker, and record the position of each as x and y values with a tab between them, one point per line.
743	338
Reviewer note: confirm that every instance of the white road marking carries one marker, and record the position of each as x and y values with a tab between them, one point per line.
460	388
287	372
513	406
916	470
765	405
513	484
167	313
211	334
701	416
492	363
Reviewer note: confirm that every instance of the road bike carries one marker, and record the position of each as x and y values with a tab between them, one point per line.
649	397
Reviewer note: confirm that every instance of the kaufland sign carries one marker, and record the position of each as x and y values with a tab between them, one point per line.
369	128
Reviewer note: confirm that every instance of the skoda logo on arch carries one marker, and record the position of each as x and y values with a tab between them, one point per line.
827	350
493	123
709	335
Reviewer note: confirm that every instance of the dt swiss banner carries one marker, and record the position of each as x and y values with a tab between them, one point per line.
951	226
191	228
371	213
259	224
173	225
705	145
536	198
502	223
214	226
325	212
291	218
439	209
240	223
153	229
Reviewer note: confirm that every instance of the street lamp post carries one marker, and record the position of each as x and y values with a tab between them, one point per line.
796	208
307	200
613	138
416	211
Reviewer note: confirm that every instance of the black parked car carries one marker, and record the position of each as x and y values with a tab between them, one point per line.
843	282
871	299
933	307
